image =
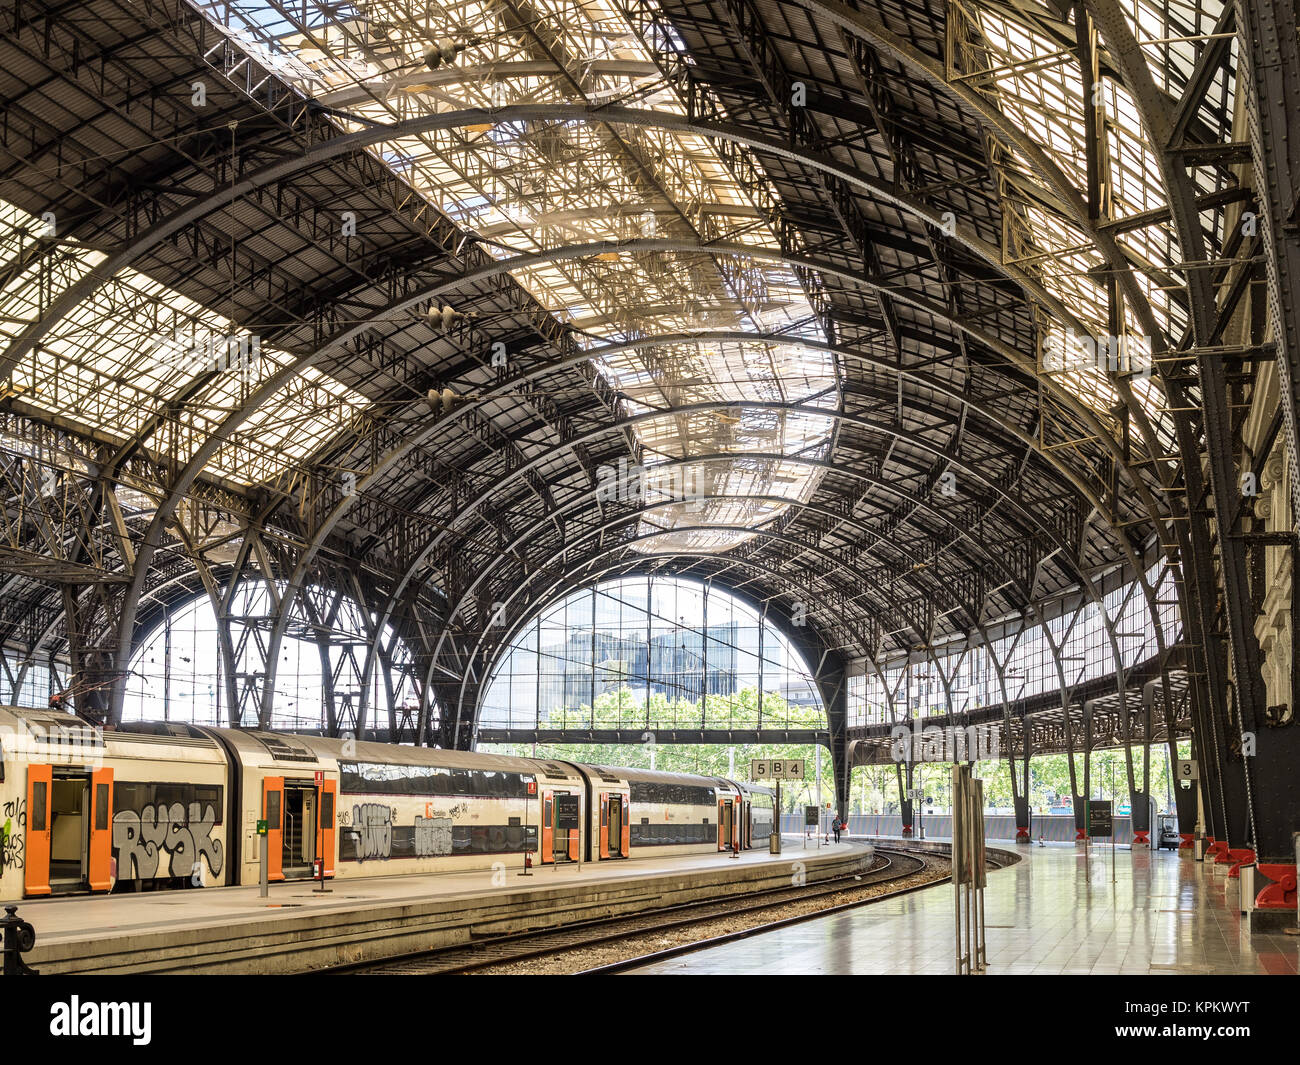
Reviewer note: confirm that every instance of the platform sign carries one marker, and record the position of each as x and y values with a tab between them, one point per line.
1099	818
811	816
566	813
776	769
1186	769
261	828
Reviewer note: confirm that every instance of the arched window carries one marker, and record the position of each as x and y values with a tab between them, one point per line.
179	674
651	653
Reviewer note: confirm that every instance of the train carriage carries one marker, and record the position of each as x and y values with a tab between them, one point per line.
85	809
170	805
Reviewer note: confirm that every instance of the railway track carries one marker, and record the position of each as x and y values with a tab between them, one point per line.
551	944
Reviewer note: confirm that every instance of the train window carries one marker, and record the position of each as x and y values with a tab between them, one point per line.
327	808
38	806
430	780
101	807
208	796
273	811
132	796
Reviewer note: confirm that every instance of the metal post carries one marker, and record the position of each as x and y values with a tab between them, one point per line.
957	830
527	852
777	819
262	881
19	937
320	839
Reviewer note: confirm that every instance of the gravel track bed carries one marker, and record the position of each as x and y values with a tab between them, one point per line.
636	945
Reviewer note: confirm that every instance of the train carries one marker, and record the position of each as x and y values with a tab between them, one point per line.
172	805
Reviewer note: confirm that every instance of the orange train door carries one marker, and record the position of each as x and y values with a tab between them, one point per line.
613	825
101	830
548	827
625	841
604	826
722	824
272	813
615	833
326	819
736	824
36	873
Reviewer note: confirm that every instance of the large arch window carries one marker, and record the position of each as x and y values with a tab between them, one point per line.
900	690
179	674
651	653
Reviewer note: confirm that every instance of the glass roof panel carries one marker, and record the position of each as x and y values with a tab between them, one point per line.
114	361
529	186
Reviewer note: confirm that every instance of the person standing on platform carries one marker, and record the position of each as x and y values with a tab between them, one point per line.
835	824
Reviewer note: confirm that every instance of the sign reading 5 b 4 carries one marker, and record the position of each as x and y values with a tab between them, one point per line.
776	769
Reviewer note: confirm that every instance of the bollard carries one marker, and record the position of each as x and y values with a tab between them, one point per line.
20	937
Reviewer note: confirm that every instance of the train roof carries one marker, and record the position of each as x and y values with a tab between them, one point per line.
438	757
656	776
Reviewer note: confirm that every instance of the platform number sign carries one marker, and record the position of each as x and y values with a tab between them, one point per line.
1187	769
776	769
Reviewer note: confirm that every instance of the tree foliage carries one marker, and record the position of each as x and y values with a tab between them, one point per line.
874	789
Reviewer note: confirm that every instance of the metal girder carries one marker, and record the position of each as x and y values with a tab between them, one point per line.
347	144
1158	122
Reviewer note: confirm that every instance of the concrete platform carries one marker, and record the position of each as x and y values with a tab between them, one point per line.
234	930
1057	911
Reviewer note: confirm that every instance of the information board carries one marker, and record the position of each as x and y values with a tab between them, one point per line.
566	813
810	816
1099	819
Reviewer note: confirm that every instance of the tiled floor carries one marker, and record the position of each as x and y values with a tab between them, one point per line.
1058	911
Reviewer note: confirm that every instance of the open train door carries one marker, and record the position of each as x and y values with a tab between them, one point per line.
272	812
326	834
36	870
726	822
615	832
603	852
100	866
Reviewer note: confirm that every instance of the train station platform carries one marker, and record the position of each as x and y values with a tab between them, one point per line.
1056	911
295	929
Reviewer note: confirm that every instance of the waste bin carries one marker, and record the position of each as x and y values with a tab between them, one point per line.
774	843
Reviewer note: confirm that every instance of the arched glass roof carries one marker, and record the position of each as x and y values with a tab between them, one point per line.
529	186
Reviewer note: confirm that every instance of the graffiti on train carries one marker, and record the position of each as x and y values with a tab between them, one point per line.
432	836
141	838
14	831
372	830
